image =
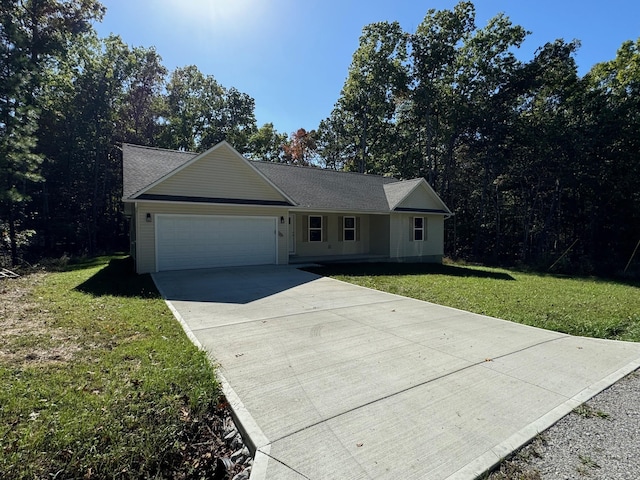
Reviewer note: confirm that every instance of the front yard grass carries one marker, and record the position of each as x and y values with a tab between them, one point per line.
97	380
589	307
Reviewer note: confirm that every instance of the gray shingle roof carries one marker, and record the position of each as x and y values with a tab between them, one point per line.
328	189
141	166
308	187
398	191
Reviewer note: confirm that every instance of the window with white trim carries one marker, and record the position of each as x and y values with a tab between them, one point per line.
315	228
349	229
418	229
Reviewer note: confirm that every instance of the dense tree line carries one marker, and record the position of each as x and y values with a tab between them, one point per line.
534	160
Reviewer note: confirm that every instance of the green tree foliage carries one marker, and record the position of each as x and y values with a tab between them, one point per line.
610	111
141	109
91	111
431	114
199	112
103	93
331	145
68	100
266	144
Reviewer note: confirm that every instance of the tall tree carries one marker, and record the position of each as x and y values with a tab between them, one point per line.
367	104
483	89
190	98
333	150
234	122
521	150
32	34
432	114
88	115
141	108
539	159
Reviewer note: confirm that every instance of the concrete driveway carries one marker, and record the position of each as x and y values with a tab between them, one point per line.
335	381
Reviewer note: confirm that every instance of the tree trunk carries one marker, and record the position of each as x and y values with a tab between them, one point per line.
362	166
13	241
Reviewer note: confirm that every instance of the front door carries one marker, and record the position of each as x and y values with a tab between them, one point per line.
292	234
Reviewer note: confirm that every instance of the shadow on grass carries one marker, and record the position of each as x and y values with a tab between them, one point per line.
76	264
391	269
118	279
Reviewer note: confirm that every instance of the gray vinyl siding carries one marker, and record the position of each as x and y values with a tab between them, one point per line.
421	198
402	245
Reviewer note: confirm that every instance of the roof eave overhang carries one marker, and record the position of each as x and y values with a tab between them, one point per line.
430	211
214	202
311	209
296	208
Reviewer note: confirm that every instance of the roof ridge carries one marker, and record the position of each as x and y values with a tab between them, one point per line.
320	169
406	180
158	149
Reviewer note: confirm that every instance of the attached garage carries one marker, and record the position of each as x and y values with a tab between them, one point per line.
206	241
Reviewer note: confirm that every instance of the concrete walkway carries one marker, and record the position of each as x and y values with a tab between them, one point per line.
336	381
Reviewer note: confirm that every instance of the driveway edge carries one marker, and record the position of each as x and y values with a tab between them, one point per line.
500	452
251	433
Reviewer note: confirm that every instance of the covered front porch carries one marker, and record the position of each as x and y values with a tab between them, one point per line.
337	237
359	258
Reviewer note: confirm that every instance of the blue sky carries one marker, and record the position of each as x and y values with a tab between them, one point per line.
292	56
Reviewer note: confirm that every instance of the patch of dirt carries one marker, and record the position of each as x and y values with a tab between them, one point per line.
27	334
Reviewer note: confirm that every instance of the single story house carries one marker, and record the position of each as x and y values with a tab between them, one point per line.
218	208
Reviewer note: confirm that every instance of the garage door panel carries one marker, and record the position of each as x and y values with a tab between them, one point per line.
186	241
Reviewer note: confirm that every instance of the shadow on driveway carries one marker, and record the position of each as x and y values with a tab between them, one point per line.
236	285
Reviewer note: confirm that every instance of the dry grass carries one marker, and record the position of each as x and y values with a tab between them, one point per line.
27	334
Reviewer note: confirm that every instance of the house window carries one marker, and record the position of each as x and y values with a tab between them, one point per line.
349	229
418	228
315	228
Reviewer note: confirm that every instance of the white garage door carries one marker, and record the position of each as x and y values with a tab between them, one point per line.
204	241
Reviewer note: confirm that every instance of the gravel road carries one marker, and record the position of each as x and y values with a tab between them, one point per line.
598	441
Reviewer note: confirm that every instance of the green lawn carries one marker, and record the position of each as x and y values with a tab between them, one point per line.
97	380
580	306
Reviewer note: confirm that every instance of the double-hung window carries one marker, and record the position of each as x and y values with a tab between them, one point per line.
418	229
349	229
315	228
